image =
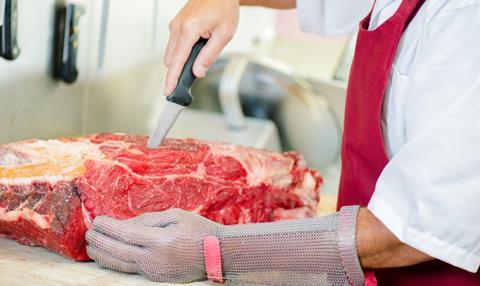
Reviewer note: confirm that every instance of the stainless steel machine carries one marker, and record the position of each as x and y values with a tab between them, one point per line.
308	117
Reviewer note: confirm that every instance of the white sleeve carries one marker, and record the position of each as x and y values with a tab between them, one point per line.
429	193
332	17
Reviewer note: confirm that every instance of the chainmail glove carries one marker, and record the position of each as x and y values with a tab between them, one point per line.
163	247
169	246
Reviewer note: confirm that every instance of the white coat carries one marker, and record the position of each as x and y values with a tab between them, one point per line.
429	193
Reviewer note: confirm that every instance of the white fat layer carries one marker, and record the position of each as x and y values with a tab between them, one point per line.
42	221
87	218
29	180
43	151
75	149
11	159
306	190
261	167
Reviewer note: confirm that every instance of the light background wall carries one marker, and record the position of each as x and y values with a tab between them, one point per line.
123	96
126	95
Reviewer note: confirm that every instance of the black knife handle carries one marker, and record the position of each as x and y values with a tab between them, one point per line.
66	42
70	71
181	95
9	45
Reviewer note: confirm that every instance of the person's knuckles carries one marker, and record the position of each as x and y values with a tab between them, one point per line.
188	31
131	234
191	25
173	25
151	219
123	231
226	33
200	70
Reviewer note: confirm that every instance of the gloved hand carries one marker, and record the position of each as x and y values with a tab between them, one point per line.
168	247
163	247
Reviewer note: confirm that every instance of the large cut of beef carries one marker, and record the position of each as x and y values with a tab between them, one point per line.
51	190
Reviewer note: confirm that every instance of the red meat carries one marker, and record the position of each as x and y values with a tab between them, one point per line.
51	190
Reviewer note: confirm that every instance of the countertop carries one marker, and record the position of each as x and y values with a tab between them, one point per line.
25	266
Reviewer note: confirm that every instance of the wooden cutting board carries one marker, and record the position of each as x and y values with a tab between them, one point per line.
26	266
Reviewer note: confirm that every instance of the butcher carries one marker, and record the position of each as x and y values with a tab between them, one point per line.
408	204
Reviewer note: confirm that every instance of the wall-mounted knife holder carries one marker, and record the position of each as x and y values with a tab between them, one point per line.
9	48
65	46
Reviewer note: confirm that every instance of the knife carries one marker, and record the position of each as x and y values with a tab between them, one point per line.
178	100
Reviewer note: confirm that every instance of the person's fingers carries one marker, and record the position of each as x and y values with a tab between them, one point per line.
126	252
210	53
172	41
188	37
123	231
164	218
106	260
146	229
156	219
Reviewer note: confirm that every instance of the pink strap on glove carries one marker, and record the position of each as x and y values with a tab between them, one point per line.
370	279
213	258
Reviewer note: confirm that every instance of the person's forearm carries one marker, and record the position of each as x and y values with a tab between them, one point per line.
277	4
379	248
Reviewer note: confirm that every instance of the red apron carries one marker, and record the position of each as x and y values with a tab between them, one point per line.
363	151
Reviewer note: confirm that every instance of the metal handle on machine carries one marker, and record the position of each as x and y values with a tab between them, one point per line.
8	31
229	92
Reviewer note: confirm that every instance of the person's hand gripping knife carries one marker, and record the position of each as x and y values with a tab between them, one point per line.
215	20
177	246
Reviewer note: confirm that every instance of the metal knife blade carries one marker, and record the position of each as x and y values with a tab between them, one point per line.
178	100
165	122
